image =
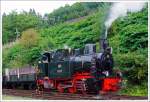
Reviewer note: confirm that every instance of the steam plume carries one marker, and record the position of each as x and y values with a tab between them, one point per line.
121	9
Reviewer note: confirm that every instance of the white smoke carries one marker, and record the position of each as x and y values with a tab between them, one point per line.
121	9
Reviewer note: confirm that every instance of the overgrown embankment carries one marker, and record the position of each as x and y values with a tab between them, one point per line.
129	38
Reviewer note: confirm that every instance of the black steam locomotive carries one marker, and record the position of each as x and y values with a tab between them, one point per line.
77	70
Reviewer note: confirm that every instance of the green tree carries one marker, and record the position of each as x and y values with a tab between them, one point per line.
29	38
21	22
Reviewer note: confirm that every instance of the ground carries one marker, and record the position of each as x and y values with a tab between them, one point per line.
8	97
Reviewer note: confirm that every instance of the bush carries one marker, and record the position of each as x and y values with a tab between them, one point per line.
134	37
129	38
29	38
136	90
134	66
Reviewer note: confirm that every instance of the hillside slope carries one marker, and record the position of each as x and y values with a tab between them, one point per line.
15	23
129	38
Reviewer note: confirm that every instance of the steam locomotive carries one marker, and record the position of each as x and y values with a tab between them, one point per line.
71	70
79	70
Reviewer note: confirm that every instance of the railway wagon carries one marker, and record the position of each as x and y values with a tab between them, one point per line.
20	78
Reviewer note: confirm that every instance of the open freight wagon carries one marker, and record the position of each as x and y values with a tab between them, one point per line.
20	77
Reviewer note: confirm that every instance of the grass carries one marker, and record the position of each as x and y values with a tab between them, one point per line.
8	97
135	90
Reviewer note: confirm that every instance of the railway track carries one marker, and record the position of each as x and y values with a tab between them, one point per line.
67	96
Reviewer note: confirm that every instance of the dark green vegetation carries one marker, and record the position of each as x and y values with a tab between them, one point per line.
76	26
129	39
77	10
31	19
19	22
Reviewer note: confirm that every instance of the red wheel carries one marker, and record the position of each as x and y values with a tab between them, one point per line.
60	89
71	90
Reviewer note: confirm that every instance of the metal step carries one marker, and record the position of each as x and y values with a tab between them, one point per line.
80	85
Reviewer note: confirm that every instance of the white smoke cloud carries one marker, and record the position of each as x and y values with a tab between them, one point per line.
121	9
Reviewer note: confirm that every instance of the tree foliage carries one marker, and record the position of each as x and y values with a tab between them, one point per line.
14	24
26	51
75	11
29	38
129	38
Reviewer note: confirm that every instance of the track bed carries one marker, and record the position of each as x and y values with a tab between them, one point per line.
67	96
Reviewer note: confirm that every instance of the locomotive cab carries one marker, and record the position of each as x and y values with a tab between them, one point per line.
43	63
48	56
